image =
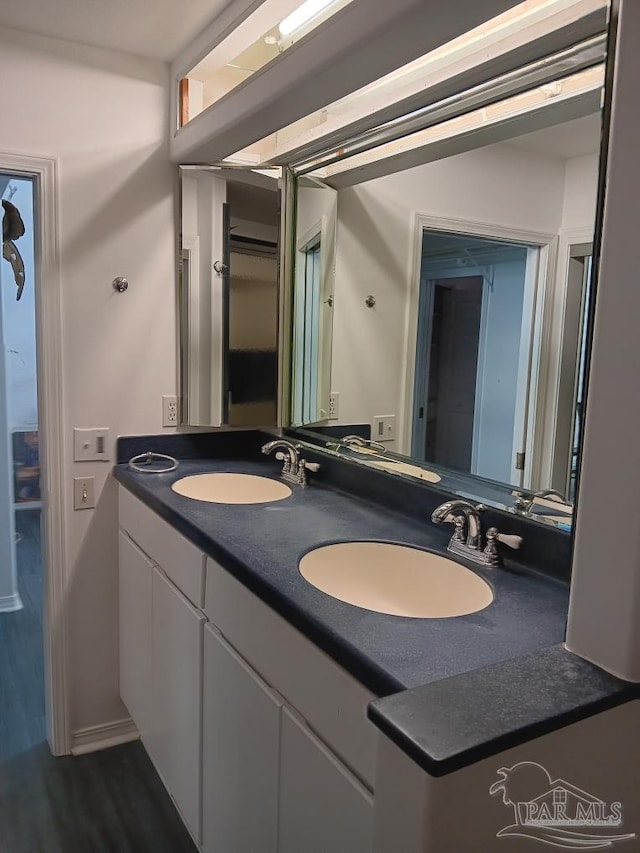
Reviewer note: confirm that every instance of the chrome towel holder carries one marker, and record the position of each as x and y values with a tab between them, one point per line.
143	463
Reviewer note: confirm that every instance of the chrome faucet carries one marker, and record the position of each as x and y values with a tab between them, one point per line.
458	512
525	500
463	514
294	469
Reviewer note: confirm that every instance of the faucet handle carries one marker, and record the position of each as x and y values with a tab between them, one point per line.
510	539
283	457
303	467
490	553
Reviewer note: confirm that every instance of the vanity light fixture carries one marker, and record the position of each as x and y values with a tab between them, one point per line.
302	15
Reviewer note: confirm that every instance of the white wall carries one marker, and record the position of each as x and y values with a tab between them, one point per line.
103	115
500	184
580	191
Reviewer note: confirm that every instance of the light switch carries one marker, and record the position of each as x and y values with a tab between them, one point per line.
384	428
91	445
84	493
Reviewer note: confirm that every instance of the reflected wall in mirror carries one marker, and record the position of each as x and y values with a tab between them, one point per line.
229	296
474	237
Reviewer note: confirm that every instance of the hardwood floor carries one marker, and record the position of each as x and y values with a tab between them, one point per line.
104	802
22	714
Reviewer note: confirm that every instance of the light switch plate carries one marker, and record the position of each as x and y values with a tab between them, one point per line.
91	445
84	492
384	428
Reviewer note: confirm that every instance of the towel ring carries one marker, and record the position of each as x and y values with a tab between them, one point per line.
138	463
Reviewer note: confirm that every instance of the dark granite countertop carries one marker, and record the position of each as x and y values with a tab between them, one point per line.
506	704
261	546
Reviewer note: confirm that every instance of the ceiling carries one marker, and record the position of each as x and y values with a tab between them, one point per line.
157	29
570	139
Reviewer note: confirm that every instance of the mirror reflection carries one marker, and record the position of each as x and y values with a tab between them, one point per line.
440	329
229	296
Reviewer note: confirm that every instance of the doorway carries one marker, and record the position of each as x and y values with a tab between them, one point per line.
21	575
472	368
43	287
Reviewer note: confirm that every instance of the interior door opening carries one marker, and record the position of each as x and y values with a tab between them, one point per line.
473	354
22	698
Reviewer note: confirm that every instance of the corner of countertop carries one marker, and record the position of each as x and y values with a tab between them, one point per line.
455	722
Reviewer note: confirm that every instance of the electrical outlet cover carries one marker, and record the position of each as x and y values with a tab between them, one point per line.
334	406
169	410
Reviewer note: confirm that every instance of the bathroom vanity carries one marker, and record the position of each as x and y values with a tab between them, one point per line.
253	690
410	208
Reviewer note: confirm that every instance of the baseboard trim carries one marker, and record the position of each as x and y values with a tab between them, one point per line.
10	603
93	738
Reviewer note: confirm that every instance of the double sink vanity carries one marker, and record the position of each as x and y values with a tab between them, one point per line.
342	616
261	624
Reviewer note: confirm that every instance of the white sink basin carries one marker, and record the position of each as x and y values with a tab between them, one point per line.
395	579
231	488
396	466
406	468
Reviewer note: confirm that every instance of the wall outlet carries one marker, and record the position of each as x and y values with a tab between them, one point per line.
169	410
384	428
334	406
84	493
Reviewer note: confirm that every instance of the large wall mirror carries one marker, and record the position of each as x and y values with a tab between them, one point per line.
228	295
441	284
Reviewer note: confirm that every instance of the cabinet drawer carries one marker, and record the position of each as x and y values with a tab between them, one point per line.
182	562
331	700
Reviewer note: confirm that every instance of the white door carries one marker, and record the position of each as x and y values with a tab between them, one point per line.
135	593
176	738
241	744
323	807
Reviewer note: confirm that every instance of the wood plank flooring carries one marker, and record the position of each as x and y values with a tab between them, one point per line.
104	802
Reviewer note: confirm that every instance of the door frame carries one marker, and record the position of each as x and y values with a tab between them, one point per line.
547	244
548	411
44	170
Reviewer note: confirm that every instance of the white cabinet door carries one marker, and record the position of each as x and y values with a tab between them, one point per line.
176	739
134	582
323	807
241	744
